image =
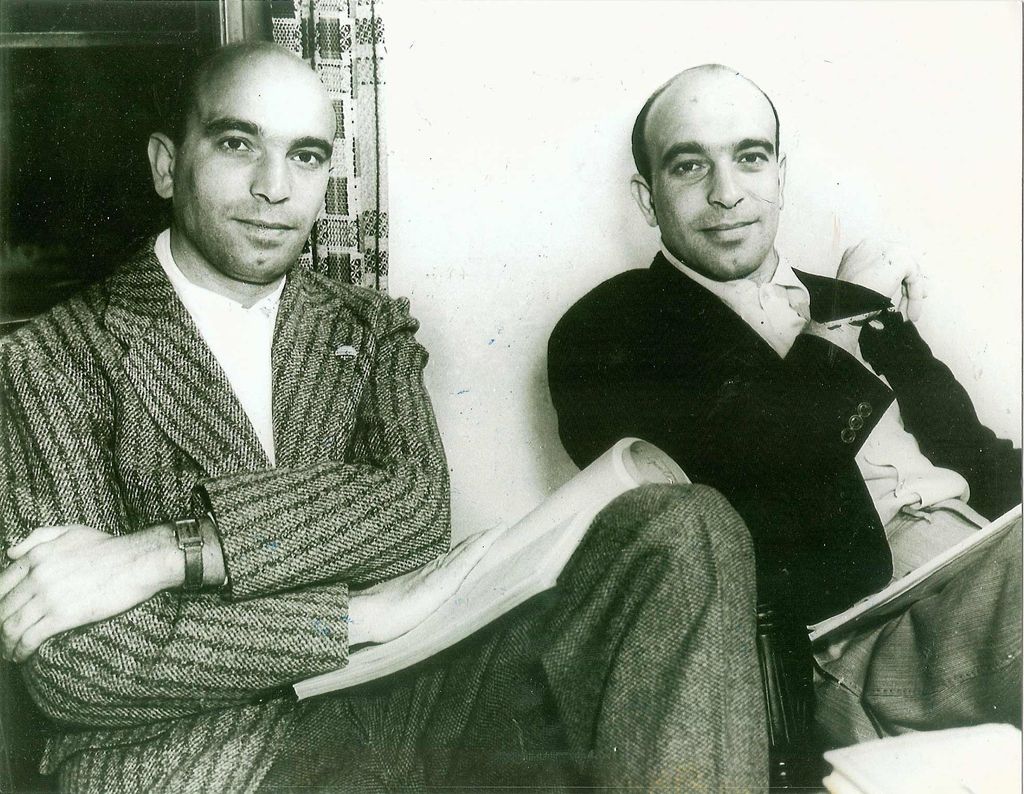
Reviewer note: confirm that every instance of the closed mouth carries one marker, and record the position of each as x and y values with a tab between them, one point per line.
258	224
724	227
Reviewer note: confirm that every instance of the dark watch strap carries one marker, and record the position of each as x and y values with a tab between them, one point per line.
190	541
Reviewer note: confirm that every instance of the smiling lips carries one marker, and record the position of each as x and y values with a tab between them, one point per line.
727	227
264	225
266	234
729	234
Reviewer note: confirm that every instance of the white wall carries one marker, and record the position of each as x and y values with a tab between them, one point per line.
508	127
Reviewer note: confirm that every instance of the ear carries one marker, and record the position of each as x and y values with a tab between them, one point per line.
161	152
782	182
644	198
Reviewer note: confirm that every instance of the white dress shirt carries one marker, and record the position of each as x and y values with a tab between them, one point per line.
897	474
239	338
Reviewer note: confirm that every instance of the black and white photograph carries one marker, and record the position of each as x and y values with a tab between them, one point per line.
486	395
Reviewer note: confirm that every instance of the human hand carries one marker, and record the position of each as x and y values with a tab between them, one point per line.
889	269
390	609
64	577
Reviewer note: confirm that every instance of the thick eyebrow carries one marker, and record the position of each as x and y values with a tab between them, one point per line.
230	124
224	124
312	142
692	147
755	143
683	147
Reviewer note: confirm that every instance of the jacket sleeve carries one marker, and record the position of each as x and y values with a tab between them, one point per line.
938	412
382	512
173	654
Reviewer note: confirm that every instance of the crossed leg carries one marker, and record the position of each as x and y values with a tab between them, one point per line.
638	670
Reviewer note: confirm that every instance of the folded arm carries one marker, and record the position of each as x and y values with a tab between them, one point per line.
170	654
159	653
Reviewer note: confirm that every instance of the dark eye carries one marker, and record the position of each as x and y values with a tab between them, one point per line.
688	167
753	158
235	145
309	159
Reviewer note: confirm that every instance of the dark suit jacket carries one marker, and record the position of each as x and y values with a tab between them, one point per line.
651	353
117	415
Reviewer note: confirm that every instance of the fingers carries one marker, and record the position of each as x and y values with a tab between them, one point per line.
35	537
915	290
888	268
905	267
13	631
34	636
12	575
15	600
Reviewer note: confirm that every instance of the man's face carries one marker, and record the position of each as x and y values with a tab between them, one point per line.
716	181
249	178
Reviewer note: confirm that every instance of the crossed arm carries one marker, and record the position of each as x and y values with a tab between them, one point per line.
95	610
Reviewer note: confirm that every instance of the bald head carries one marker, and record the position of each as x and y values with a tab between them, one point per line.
710	176
687	88
227	64
248	173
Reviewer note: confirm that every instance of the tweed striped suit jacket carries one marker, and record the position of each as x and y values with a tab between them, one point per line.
117	416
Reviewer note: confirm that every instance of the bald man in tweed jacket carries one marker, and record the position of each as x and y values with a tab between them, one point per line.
123	419
177	431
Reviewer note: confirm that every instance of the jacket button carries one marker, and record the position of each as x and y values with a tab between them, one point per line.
848	436
855	422
864	409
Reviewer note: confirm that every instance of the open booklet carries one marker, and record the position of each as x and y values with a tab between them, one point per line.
526	559
918	583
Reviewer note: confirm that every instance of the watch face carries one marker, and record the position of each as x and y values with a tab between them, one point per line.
187	533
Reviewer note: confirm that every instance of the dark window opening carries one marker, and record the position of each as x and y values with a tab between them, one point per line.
79	84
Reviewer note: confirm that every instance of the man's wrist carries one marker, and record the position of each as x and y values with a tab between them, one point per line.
168	559
361	620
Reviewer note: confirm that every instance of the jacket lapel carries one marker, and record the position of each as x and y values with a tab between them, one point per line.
174	373
321	357
705	314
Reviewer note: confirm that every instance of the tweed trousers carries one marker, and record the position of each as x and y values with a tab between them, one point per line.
638	671
950	660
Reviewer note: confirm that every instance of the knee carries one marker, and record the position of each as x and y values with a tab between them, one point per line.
678	544
689	520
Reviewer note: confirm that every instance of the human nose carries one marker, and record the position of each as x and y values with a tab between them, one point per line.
271	180
724	189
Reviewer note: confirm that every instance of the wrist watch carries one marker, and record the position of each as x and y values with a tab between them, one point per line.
190	541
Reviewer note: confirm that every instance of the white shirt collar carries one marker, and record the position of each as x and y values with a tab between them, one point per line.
782	277
777	310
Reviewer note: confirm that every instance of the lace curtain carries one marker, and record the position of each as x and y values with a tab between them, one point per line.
344	41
